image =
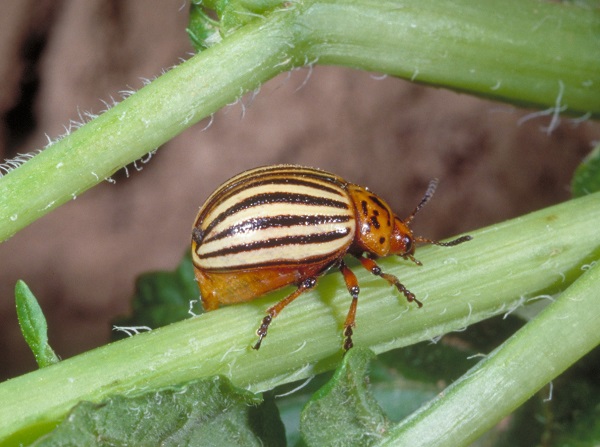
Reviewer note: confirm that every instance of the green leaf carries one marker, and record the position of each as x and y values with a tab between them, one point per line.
202	30
237	13
207	412
344	412
162	298
33	325
586	179
405	379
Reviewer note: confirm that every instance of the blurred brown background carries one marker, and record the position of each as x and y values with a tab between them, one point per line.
59	59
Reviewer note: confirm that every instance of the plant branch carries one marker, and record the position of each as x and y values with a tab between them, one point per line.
522	51
538	353
499	270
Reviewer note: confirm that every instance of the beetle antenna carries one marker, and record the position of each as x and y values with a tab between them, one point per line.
426	198
451	243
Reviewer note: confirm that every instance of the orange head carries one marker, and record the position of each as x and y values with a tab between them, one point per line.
403	242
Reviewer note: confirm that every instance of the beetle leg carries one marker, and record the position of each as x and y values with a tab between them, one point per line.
352	285
273	311
372	266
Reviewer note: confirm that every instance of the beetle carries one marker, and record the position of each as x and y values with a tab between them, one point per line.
281	225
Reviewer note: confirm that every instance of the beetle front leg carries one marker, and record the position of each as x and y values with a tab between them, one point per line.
352	285
273	311
372	266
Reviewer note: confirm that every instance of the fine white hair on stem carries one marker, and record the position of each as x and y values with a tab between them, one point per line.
131	330
435	340
191	307
247	100
379	77
298	388
415	74
243	108
210	121
541	297
550	392
310	65
284	63
583	118
554	111
519	303
585	267
15	162
143	160
127	92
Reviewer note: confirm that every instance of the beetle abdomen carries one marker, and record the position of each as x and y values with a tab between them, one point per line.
274	216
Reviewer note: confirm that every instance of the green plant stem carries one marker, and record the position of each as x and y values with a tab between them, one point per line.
564	332
503	266
522	51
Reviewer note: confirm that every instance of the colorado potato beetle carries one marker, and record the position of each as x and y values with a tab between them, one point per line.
274	226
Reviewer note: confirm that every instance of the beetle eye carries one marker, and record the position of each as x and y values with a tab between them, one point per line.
408	243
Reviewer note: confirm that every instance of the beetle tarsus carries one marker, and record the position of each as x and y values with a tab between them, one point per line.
262	331
372	266
348	340
410	297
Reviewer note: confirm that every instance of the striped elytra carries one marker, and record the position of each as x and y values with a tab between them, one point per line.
281	225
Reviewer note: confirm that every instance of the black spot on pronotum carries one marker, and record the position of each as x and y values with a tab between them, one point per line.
381	240
365	210
375	222
377	201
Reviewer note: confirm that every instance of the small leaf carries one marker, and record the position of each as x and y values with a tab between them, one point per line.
233	14
202	30
344	412
586	179
207	412
162	298
33	325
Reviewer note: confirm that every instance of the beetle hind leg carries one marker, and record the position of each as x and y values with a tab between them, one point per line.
372	266
273	311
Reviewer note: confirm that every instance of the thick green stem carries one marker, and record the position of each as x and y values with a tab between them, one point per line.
527	52
539	352
523	51
502	267
141	123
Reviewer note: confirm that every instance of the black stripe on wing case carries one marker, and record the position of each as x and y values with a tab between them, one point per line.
276	242
287	221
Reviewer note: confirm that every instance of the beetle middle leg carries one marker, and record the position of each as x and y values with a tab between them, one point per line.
352	285
372	266
273	311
